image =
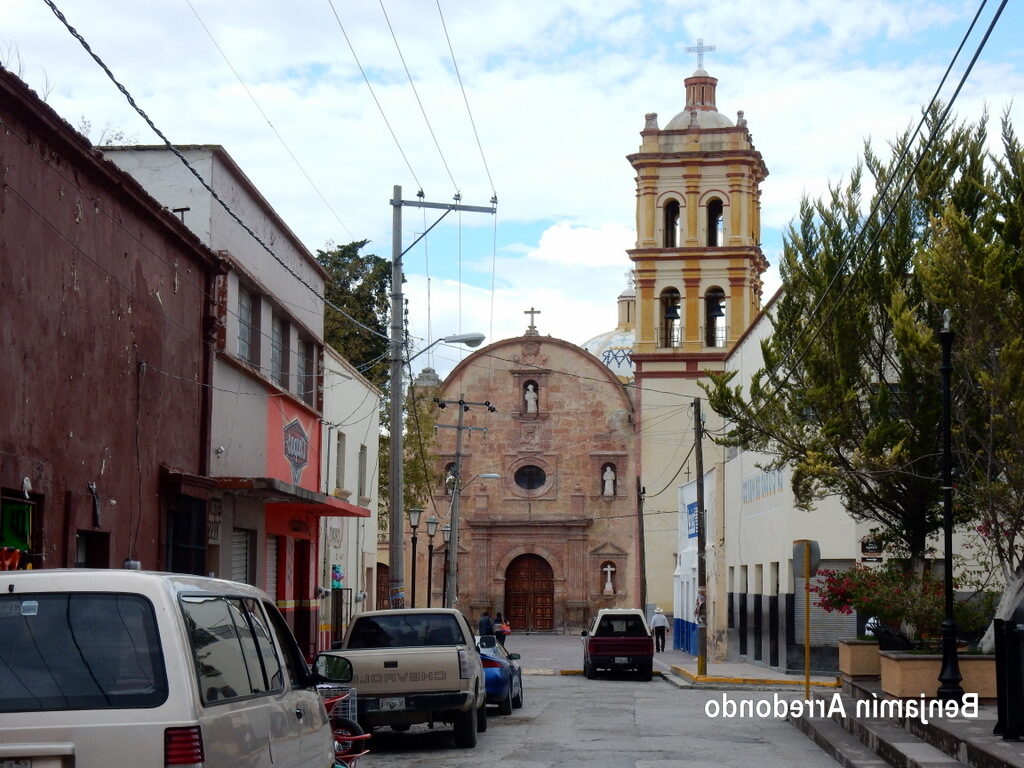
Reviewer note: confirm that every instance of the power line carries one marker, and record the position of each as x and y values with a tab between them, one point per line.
416	93
174	150
272	127
458	75
373	94
881	197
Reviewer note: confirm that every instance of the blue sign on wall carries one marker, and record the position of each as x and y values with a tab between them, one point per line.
691	520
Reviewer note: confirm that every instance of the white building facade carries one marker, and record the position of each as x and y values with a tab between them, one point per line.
266	435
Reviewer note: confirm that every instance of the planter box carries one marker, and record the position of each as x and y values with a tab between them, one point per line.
913	674
859	658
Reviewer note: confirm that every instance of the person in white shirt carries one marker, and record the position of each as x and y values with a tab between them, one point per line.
659	623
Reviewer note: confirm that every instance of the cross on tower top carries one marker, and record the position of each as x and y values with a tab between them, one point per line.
532	330
700	49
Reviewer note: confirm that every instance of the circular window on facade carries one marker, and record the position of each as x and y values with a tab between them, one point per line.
530	477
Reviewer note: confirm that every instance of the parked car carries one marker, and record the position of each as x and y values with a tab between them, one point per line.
410	666
618	640
503	674
104	668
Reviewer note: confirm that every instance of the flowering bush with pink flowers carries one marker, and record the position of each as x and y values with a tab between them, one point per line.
895	598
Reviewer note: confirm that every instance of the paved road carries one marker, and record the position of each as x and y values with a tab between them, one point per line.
570	721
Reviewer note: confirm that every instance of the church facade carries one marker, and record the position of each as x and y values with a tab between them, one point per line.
554	538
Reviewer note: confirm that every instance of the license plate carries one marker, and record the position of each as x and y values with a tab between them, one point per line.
622	660
387	705
17	762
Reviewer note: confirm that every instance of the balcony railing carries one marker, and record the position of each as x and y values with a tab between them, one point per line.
670	336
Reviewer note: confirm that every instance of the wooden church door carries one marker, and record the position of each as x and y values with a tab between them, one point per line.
530	594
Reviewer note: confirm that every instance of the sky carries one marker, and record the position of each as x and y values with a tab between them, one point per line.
327	105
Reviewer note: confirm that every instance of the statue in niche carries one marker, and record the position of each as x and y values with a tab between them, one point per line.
609	481
530	396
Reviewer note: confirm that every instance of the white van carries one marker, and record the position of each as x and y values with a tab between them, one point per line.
111	668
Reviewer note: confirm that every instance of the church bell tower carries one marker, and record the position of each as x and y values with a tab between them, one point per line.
697	266
698	260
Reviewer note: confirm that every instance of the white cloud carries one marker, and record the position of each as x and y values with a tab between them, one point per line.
558	91
573	277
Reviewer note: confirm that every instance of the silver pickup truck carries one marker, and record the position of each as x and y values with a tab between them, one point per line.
412	666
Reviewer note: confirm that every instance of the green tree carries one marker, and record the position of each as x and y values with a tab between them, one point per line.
359	285
849	395
421	479
974	266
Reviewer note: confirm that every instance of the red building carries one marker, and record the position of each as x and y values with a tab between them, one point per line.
107	322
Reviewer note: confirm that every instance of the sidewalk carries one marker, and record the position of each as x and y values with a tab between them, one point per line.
734	674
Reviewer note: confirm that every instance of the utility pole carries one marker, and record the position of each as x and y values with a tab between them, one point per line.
451	576
702	574
641	496
396	488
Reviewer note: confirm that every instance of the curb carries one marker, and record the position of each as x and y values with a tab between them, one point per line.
568	672
758	681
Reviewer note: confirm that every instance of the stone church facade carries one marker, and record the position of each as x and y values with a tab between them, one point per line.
554	539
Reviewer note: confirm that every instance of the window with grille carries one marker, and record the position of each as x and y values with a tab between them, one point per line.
362	472
306	372
248	327
279	351
339	463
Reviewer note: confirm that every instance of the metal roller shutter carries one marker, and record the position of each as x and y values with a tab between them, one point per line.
240	555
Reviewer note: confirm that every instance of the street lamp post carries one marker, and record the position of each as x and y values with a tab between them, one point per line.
396	534
949	676
414	523
431	530
446	534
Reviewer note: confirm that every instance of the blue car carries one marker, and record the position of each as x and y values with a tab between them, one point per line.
503	675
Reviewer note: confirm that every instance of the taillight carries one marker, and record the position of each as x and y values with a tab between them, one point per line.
184	746
490	663
465	668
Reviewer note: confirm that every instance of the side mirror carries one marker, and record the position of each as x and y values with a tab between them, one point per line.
333	669
514	656
583	633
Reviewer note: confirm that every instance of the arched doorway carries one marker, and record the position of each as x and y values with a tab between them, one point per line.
383	587
530	594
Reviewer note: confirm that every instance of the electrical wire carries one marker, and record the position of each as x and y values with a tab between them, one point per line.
465	99
376	101
881	197
259	108
174	150
416	93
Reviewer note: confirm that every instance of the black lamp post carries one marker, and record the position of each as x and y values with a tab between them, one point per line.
431	530
949	676
414	523
446	534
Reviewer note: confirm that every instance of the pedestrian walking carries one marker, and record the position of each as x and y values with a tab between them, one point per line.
659	623
486	625
502	629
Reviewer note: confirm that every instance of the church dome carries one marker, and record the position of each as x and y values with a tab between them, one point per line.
704	119
614	349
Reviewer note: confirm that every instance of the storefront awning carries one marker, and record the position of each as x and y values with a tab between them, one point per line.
289	498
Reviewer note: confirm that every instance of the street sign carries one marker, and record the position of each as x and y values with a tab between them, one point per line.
871	550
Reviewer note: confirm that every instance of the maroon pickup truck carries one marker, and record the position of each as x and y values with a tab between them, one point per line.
618	640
